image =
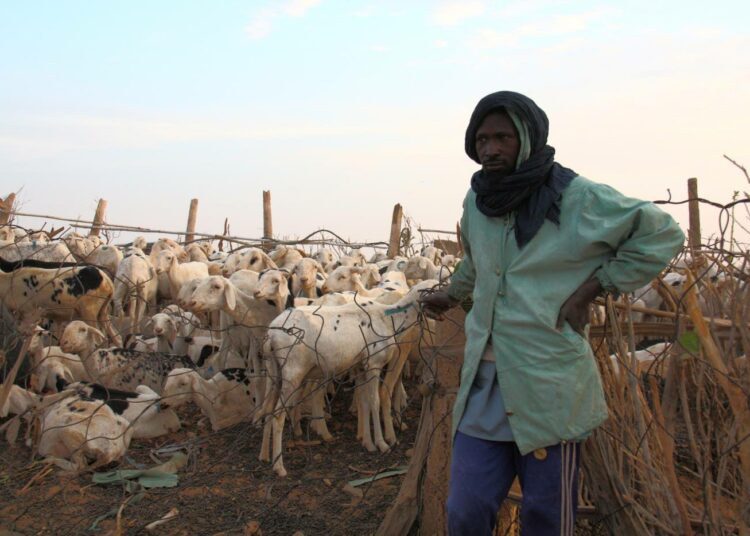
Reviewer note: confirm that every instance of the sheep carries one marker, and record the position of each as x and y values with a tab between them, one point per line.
244	318
324	342
107	257
140	242
167	244
119	368
286	257
645	358
419	268
136	281
449	261
433	253
46	252
142	408
245	280
377	257
248	259
82	430
325	257
196	253
39	354
19	401
61	293
308	276
346	278
226	399
397	264
80	246
178	274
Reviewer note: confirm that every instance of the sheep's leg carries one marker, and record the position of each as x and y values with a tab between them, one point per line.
372	381
390	383
319	425
363	414
287	398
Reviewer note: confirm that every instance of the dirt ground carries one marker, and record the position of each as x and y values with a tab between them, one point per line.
221	490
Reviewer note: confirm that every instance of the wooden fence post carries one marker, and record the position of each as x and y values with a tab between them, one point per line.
267	218
101	208
694	232
192	216
6	207
395	240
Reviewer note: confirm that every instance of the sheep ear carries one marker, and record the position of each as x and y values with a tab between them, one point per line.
357	269
230	296
319	268
68	375
96	336
285	273
173	330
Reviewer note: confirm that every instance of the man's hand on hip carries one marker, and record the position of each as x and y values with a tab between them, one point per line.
437	303
575	310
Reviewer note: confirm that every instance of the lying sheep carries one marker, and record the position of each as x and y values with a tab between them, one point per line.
61	293
142	408
324	342
119	368
83	431
226	399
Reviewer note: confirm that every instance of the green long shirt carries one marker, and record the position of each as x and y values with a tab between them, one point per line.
548	377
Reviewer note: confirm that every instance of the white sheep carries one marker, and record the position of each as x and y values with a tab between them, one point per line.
325	342
286	257
226	398
325	257
419	268
52	252
83	430
308	276
135	283
178	274
247	259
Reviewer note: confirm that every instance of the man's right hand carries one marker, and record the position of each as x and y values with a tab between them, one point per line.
437	303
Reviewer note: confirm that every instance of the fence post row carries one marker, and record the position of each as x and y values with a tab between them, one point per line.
395	239
694	231
192	217
267	219
101	208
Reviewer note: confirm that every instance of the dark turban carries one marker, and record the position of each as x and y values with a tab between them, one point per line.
534	188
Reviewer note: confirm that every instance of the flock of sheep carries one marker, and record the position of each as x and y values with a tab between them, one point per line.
133	332
245	336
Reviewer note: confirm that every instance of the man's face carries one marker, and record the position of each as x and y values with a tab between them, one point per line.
497	144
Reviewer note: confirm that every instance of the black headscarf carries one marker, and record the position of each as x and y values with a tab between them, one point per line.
534	189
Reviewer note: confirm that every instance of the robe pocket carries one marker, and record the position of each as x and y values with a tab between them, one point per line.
577	342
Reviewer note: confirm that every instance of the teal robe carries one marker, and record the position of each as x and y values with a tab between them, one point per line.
548	377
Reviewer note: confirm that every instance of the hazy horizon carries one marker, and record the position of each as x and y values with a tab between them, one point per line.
342	109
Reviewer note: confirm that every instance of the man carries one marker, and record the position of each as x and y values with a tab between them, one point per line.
540	242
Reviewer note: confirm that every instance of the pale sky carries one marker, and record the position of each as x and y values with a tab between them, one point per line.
344	108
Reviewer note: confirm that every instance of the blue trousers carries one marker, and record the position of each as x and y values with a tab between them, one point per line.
482	473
